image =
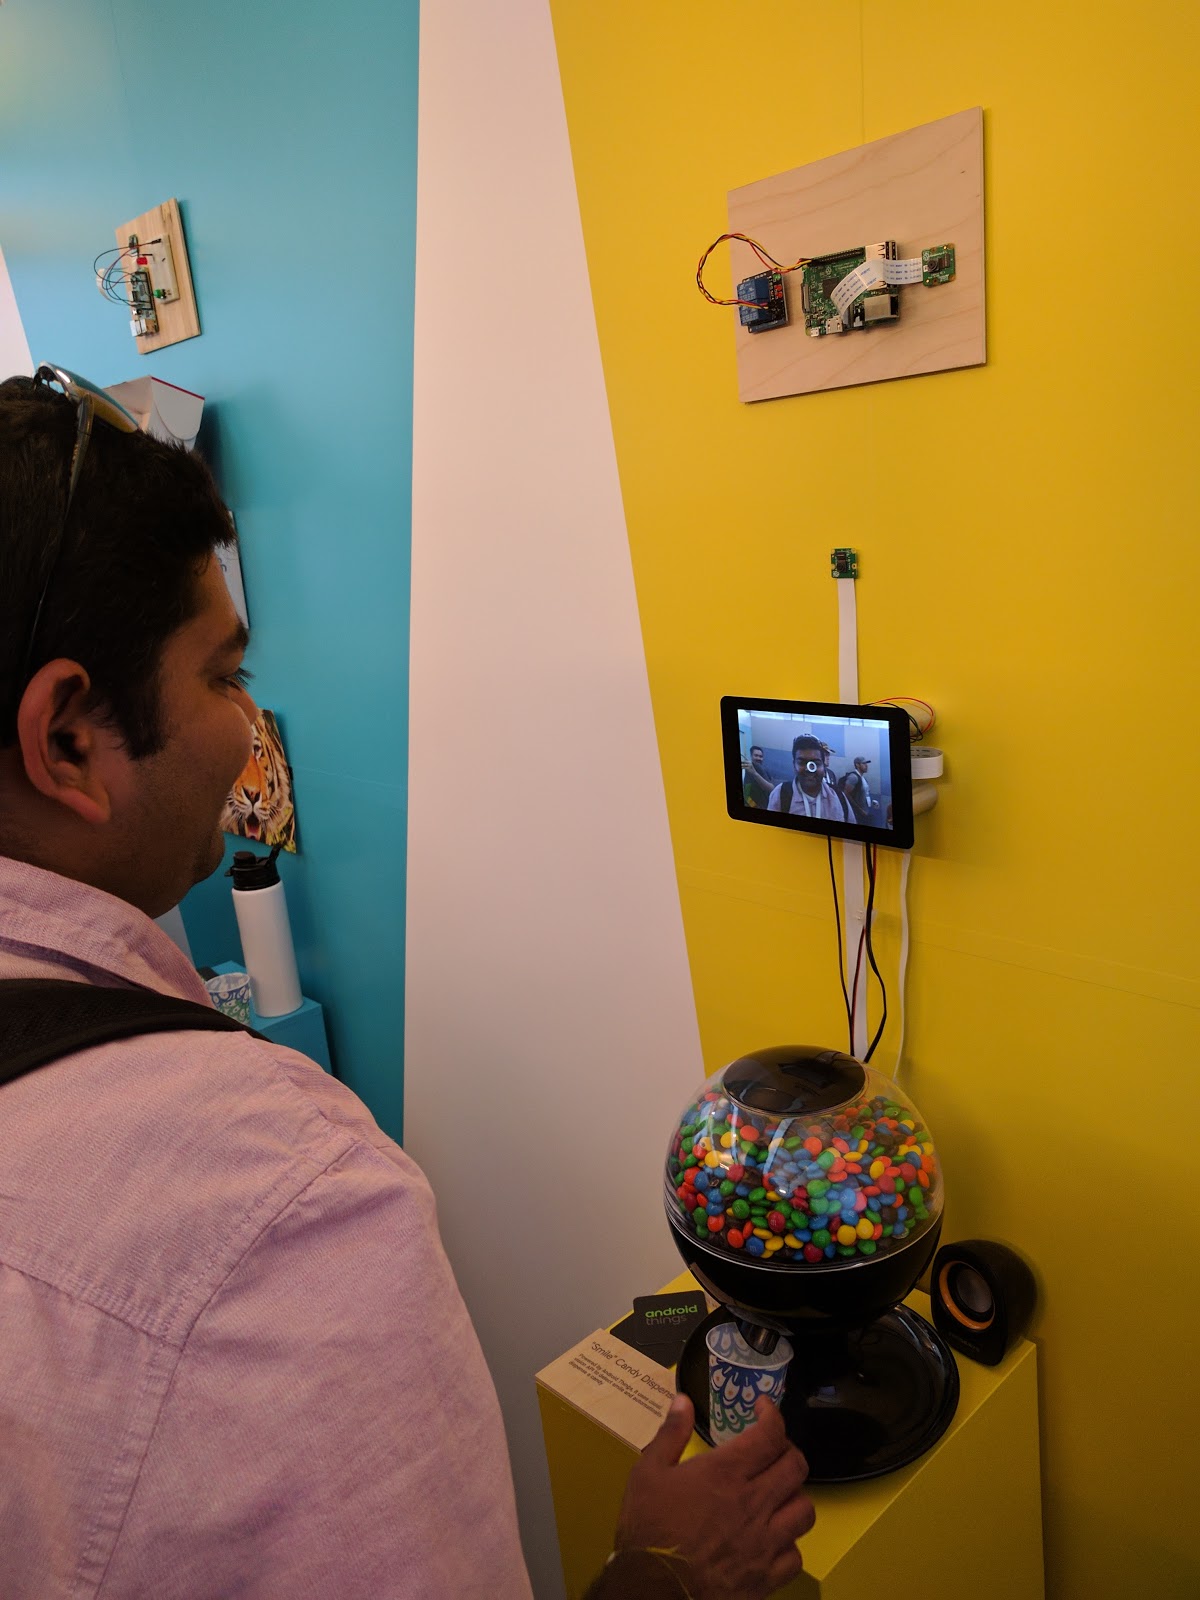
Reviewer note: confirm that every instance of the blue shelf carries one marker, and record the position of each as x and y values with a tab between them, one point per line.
302	1030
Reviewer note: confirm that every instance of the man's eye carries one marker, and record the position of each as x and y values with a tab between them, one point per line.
239	679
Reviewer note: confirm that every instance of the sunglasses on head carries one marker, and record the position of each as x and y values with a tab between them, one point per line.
91	404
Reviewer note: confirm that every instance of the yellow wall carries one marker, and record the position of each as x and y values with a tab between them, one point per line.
1028	564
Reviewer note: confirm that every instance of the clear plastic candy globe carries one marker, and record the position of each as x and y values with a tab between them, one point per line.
801	1185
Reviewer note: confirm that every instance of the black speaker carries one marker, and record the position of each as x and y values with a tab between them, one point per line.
983	1297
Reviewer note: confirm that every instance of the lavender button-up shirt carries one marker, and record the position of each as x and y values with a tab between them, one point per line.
234	1363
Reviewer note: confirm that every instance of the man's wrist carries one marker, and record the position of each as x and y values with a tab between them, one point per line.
643	1575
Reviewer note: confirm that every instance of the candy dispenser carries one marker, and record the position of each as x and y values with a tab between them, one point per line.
804	1193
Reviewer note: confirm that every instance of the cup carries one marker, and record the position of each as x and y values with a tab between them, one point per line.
230	993
739	1376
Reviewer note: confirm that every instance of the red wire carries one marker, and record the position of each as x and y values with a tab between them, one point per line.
912	699
767	261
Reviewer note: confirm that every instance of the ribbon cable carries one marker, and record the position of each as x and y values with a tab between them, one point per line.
853	894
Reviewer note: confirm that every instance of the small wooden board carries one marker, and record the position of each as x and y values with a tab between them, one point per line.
921	188
177	319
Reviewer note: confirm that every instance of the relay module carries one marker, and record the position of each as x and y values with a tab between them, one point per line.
761	302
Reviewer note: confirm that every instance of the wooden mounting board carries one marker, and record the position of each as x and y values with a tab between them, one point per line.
920	188
177	319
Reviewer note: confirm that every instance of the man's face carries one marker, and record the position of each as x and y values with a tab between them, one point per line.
861	764
756	758
169	804
810	768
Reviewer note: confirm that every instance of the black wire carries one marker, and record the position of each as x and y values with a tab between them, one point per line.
120	251
106	288
116	268
871	953
124	250
109	291
837	917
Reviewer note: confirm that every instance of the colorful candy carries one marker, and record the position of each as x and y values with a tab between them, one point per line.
804	1191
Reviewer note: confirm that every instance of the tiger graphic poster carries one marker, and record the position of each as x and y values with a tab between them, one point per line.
260	804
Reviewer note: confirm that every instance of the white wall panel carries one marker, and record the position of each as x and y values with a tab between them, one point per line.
14	347
550	1029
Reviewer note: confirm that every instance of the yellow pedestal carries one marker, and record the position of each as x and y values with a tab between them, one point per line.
964	1520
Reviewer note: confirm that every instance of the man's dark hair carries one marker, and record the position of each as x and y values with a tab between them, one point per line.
145	519
759	748
806	741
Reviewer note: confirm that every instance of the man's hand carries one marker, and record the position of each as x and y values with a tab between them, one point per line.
734	1514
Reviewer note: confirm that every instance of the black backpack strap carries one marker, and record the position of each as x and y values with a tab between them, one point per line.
785	796
42	1019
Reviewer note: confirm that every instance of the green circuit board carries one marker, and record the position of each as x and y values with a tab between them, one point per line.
937	264
822	276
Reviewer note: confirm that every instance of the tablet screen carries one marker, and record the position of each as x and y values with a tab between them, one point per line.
841	770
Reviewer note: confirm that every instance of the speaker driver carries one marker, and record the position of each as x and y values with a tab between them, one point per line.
983	1298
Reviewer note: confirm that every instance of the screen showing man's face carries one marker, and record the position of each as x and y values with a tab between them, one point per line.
825	762
810	768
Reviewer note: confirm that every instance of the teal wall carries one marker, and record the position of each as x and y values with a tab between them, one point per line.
288	134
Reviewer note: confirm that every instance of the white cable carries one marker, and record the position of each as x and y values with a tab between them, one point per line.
874	274
847	642
852	854
905	863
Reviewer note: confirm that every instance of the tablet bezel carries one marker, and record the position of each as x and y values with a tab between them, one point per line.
898	837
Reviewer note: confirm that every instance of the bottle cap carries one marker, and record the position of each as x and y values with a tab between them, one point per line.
254	872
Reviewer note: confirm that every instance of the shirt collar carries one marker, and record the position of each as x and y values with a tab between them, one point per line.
70	924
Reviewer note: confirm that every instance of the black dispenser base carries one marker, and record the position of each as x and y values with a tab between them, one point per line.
858	1403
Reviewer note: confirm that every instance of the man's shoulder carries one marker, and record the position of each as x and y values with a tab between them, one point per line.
146	1166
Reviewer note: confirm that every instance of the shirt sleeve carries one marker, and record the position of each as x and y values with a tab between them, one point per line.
331	1428
773	802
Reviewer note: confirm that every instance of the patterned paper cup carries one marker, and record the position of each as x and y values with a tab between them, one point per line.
230	993
737	1377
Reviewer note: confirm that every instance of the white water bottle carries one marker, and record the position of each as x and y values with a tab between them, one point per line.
260	905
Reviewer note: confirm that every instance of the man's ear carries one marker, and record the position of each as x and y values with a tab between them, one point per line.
63	742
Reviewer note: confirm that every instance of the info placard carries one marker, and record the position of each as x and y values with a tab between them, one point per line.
622	1391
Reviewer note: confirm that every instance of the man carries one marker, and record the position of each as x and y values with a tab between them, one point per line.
756	785
809	795
858	791
233	1358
